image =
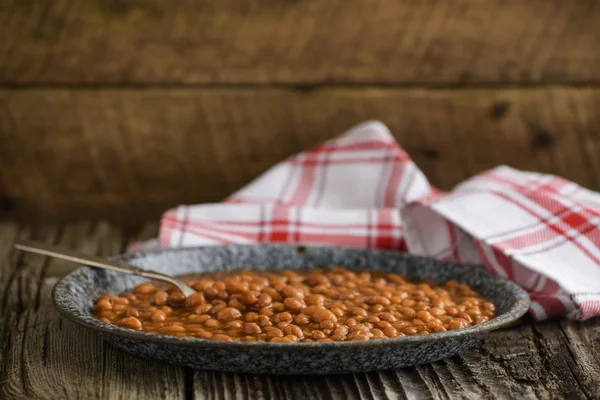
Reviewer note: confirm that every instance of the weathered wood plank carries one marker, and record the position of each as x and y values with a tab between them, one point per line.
299	42
128	155
45	357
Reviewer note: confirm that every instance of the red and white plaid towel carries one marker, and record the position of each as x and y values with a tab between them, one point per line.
363	190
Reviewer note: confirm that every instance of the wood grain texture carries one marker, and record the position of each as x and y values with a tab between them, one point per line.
299	42
128	155
44	357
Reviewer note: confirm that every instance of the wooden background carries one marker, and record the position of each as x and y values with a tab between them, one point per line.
120	109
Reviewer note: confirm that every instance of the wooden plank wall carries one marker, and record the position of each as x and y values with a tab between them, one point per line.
120	109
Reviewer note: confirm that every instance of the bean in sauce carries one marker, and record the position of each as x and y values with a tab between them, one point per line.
290	306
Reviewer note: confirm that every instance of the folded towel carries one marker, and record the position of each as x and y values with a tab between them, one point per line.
363	190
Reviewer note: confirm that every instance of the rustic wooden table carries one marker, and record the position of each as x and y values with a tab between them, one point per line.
43	356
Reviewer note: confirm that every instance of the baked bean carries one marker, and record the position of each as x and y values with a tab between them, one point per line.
107	314
202	284
316	334
160	298
411	330
103	305
274	332
301	319
464	315
424	316
314	300
264	300
280	340
358	336
263	321
211	292
359	327
358	311
229	314
282	324
145	288
212	323
341	330
297	306
204	308
159	315
248	298
383	324
202	334
323	314
121	300
266	311
292	338
387	316
382	300
252	328
310	310
273	293
436	312
236	303
283	317
390	331
327	324
290	291
199	318
320	288
457	323
473	312
251	317
377	333
234	325
294	304
223	337
171	329
217	307
176	299
131	312
193	301
235	287
313	326
350	322
130	296
131	323
295	330
338	312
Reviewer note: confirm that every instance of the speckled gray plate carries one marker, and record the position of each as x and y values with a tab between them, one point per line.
74	296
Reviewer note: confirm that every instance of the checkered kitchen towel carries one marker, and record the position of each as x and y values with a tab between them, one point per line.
363	190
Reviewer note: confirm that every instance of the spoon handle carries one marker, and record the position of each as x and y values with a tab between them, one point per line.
56	252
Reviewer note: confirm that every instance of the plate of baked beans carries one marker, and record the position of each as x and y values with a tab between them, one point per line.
287	309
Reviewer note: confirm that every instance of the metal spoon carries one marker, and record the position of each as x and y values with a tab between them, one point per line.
57	252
